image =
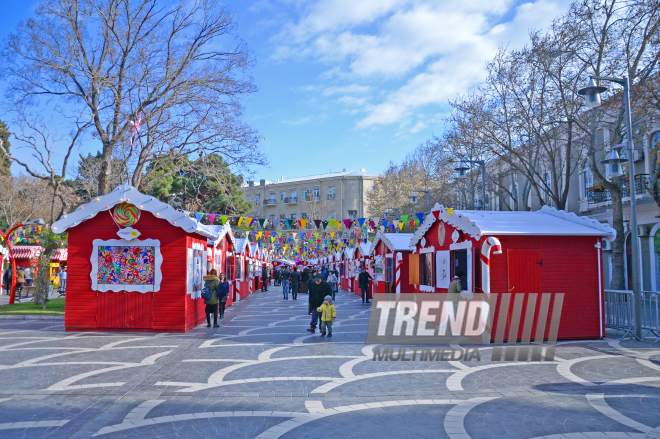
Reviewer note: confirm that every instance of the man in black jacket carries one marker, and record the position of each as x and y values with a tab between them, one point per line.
295	281
285	283
317	292
363	282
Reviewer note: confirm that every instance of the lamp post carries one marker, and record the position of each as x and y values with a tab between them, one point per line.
591	95
5	236
462	167
413	197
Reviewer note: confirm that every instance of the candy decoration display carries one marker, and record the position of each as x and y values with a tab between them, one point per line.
125	214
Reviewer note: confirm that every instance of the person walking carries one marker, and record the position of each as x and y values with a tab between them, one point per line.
285	283
317	292
28	277
324	273
212	282
264	278
328	315
332	280
20	280
223	294
295	283
304	281
456	285
7	276
276	276
62	281
363	283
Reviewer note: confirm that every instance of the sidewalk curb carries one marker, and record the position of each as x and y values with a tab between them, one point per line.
31	317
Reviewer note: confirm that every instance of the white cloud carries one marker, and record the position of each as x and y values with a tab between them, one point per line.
413	53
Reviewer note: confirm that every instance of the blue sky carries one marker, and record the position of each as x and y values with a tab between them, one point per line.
359	83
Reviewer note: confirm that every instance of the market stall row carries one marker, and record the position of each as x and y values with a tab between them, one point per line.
137	264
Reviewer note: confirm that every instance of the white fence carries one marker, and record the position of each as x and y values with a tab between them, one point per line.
620	312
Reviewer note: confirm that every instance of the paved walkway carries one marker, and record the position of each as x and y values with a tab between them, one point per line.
262	376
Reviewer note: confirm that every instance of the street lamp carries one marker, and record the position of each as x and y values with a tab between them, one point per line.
614	160
413	197
462	167
5	236
591	95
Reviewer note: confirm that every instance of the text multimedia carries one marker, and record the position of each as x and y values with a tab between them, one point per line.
427	354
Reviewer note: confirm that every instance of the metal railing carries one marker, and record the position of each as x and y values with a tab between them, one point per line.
270	202
312	198
331	196
604	196
620	312
290	200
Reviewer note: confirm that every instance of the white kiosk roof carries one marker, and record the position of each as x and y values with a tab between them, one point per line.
393	241
545	222
128	194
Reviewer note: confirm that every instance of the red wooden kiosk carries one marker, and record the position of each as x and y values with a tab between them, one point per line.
221	256
348	271
547	251
389	252
361	259
242	280
135	264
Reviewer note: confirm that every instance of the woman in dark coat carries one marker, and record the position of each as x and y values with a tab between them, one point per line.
212	282
223	293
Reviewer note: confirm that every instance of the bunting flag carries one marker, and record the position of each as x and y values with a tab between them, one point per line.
449	211
303	223
223	219
412	224
401	225
404	218
211	217
316	235
325	224
347	223
199	216
288	223
317	223
262	221
385	222
420	216
332	223
372	223
436	214
337	225
361	222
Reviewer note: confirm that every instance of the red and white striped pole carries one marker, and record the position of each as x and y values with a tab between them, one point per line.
397	272
489	244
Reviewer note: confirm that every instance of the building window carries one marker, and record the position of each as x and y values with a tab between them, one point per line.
332	215
294	216
305	194
257	198
249	197
352	214
282	216
305	216
331	193
294	194
282	196
317	192
271	217
272	196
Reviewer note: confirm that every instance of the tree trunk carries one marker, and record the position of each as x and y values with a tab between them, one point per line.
106	169
619	244
41	280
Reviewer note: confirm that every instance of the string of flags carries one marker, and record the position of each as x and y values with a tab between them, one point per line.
412	221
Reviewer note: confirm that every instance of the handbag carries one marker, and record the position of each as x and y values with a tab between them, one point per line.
206	293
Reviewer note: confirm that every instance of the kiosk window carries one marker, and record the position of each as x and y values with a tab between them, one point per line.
460	266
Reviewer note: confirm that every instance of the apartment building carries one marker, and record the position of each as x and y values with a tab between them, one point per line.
335	195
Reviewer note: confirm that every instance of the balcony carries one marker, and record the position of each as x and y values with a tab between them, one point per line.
597	195
290	200
332	196
312	198
271	202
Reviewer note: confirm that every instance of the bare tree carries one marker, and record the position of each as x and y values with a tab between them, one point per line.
51	151
23	198
123	63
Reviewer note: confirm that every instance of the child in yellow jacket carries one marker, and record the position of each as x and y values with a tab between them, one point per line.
328	315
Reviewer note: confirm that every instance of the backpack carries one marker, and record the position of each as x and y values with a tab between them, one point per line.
206	293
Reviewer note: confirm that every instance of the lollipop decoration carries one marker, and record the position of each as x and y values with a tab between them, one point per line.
125	214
